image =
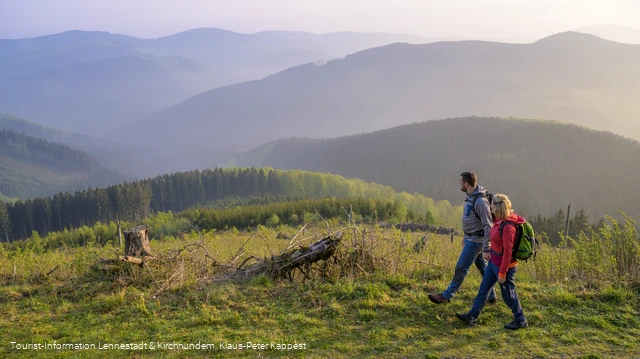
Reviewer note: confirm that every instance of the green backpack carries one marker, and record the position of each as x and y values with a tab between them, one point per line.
525	245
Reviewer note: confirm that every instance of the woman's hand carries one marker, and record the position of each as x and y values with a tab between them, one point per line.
502	280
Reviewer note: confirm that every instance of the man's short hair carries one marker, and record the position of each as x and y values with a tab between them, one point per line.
470	178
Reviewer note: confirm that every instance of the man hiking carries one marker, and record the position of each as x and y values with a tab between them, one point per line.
476	224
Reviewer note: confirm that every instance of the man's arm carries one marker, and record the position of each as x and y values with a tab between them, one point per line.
484	212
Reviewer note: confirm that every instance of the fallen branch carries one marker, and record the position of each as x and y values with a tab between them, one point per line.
53	270
284	265
130	259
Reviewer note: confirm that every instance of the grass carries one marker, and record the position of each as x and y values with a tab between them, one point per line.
384	313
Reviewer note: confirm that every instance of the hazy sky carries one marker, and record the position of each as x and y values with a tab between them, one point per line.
521	20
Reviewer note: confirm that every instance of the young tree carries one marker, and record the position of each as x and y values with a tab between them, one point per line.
579	223
5	225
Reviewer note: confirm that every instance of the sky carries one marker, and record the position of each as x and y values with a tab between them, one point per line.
516	20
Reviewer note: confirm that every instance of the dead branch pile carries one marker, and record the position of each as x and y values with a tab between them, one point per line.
329	257
284	265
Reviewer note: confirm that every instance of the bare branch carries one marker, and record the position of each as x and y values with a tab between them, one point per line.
325	222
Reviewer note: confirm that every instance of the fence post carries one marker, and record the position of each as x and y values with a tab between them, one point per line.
566	226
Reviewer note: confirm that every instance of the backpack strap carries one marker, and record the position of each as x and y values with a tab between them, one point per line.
518	238
504	223
473	203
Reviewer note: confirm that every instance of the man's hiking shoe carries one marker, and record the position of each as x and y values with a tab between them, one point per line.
437	298
514	325
492	300
467	318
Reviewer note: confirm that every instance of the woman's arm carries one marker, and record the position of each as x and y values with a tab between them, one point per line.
508	238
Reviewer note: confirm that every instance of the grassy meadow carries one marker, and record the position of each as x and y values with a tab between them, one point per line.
368	301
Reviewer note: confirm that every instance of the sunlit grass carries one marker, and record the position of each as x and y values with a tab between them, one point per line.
383	313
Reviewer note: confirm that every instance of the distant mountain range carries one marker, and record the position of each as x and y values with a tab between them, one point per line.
569	77
264	53
246	55
542	166
94	82
90	97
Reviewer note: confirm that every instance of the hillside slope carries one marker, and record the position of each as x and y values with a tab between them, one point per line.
541	165
125	158
32	167
617	33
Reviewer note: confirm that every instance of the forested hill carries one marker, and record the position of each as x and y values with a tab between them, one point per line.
18	124
179	191
32	166
541	165
21	147
118	156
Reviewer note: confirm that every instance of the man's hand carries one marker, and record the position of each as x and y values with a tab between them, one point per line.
486	256
502	280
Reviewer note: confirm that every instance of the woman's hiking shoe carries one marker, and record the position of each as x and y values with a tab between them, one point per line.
514	325
467	318
437	298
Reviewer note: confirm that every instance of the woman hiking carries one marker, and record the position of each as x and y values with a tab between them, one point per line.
502	267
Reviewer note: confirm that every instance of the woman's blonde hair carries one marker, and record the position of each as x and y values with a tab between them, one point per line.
502	206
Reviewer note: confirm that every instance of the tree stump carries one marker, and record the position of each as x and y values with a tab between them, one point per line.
136	242
419	246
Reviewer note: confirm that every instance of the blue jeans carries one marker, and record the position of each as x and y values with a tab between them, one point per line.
508	290
471	253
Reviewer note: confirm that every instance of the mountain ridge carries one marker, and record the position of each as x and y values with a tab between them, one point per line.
542	165
196	60
403	83
618	33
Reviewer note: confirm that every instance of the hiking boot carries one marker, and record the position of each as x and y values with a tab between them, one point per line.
467	318
492	300
437	298
515	325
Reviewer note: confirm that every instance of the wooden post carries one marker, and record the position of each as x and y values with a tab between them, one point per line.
566	226
136	242
119	231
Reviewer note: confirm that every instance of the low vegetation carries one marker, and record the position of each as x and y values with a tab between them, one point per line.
369	300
